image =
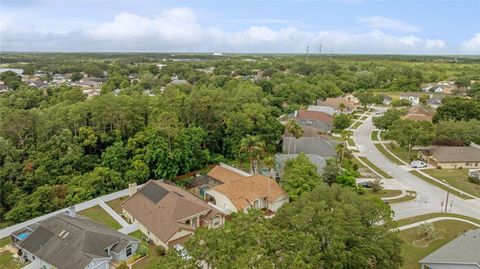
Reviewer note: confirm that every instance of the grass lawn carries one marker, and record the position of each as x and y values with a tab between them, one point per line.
99	215
387	154
4	241
116	204
402	153
152	261
449	229
383	193
416	173
410	196
373	135
367	173
364	117
410	220
374	167
7	261
356	125
137	234
457	178
350	142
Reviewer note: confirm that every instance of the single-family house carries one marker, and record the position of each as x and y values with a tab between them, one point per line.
167	214
434	101
461	253
419	113
345	104
247	192
68	241
324	109
319	120
318	145
387	100
451	156
414	98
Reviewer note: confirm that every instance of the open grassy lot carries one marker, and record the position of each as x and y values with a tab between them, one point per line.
116	204
4	241
387	154
7	261
373	135
374	167
99	215
433	182
402	153
457	178
448	229
410	220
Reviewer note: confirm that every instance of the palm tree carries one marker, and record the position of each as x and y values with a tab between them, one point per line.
253	146
269	162
296	131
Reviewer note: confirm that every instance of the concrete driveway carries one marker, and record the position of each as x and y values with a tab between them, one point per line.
429	197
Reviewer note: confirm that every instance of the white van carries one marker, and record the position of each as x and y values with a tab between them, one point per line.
418	164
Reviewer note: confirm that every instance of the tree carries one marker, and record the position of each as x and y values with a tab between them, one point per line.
457	109
331	171
253	147
299	176
295	130
401	102
388	118
457	133
76	76
427	230
341	121
408	133
376	185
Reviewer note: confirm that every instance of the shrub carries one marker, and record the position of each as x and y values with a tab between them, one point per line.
161	251
376	185
474	180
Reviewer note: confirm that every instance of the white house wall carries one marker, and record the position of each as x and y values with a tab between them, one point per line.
278	203
222	201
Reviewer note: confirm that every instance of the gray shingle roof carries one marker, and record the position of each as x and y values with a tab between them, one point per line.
310	145
465	249
84	241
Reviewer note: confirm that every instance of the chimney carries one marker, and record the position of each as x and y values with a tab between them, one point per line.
132	189
71	212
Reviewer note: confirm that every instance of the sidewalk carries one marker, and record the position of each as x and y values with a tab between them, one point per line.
412	225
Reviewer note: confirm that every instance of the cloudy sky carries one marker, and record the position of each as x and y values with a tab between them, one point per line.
340	26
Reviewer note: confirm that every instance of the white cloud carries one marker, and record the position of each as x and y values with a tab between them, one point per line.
471	46
179	30
380	22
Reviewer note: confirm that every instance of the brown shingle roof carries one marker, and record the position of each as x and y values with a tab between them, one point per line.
446	154
245	190
224	174
335	103
165	217
314	115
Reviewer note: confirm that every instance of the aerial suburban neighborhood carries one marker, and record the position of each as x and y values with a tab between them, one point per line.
206	134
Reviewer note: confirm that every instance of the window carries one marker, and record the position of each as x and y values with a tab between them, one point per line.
129	250
256	204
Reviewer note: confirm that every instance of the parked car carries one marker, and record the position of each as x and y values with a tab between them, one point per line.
418	164
365	184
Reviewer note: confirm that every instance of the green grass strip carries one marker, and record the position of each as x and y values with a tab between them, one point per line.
441	186
387	154
374	167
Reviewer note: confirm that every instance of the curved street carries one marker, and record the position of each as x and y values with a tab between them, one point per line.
429	197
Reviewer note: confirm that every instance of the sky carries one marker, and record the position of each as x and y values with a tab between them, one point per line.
245	26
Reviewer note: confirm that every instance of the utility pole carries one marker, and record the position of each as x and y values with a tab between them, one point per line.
448	194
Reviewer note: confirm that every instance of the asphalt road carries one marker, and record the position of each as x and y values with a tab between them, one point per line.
429	197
